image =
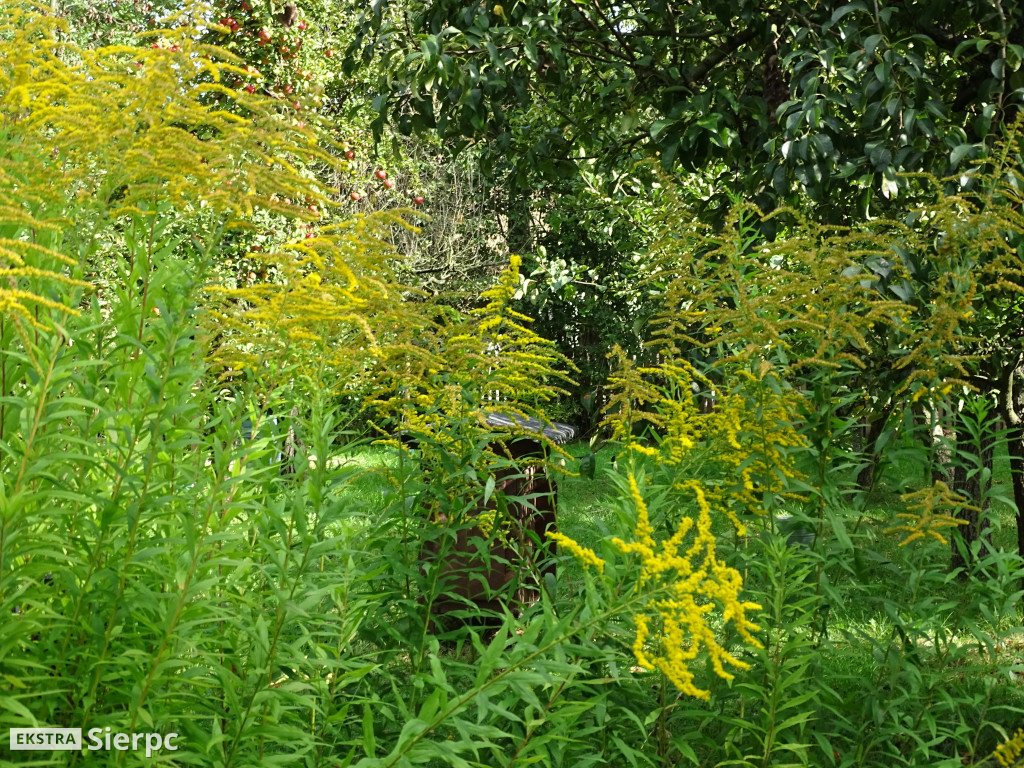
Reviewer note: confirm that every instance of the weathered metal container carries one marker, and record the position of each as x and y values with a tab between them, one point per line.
507	573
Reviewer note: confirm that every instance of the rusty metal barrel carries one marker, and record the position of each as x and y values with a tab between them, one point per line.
490	569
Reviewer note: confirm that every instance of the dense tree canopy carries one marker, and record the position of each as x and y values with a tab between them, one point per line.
775	99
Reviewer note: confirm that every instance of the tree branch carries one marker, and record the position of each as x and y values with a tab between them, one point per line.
730	47
618	35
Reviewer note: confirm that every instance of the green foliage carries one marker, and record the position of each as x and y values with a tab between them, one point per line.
162	571
813	308
165	570
786	698
586	283
772	92
180	556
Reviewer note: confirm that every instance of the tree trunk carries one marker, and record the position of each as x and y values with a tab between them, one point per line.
1016	450
876	423
976	490
519	237
1011	407
941	439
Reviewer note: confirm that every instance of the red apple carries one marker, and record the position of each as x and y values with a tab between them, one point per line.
302	25
287	89
418	200
389	183
251	88
350	154
355	195
382	174
328	53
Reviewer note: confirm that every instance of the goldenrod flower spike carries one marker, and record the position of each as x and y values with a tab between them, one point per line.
1006	754
922	506
684	588
585	555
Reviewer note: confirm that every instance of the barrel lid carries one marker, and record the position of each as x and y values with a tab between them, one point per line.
560	434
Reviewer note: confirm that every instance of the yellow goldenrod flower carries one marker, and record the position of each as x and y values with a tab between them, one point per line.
685	568
926	521
1006	754
585	555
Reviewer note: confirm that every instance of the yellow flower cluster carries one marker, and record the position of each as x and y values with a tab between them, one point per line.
336	311
119	127
750	431
630	391
923	513
491	349
678	417
585	555
521	364
923	390
806	295
744	450
686	570
755	422
485	524
1008	752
